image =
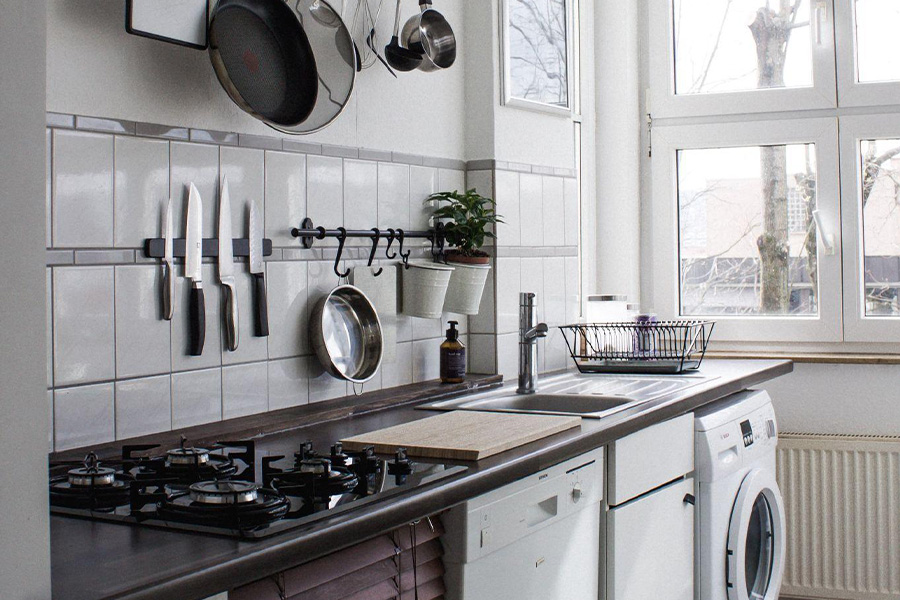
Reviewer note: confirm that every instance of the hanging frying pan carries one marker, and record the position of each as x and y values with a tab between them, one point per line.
264	61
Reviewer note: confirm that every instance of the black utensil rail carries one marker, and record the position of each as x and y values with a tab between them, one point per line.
664	347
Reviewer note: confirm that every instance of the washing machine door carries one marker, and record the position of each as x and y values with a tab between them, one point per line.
755	557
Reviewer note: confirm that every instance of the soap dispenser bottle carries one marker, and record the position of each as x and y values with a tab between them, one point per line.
453	357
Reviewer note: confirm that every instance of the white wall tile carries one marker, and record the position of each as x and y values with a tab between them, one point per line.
83	325
570	195
554	211
245	170
556	353
482	353
423	181
531	210
423	329
49	335
399	371
533	281
143	406
360	197
508	356
212	346
141	190
426	359
285	195
49	196
245	390
322	386
288	382
450	180
196	398
507	198
573	300
393	196
82	189
197	163
51	421
324	192
250	347
288	309
143	337
554	300
83	416
509	282
482	182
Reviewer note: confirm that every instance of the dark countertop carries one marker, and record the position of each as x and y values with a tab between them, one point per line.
93	560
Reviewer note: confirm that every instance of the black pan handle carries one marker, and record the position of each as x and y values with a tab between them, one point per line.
197	320
262	305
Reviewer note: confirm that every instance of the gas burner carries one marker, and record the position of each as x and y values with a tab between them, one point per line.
235	505
188	464
318	479
194	457
89	487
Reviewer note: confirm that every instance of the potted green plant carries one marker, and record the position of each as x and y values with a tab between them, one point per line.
467	218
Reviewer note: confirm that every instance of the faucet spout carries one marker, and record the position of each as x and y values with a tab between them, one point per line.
529	332
538	331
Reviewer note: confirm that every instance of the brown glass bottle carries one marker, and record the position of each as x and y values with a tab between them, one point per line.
453	357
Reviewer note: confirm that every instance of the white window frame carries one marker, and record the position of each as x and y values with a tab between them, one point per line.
665	292
665	103
850	91
857	326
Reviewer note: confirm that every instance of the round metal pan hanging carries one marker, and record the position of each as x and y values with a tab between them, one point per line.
263	58
346	335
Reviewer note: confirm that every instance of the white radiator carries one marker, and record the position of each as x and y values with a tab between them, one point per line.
842	497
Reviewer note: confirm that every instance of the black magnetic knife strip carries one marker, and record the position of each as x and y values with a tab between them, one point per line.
156	247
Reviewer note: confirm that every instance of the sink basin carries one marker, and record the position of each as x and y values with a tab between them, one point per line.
590	406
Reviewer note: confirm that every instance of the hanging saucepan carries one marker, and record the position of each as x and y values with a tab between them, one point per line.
428	33
345	333
263	59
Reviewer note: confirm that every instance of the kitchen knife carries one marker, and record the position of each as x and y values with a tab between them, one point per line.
193	253
168	289
256	269
226	268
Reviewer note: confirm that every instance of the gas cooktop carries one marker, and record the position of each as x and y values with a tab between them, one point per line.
218	490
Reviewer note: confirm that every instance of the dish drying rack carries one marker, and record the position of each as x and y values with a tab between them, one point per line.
663	347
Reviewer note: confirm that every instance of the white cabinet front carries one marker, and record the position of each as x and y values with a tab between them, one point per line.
650	546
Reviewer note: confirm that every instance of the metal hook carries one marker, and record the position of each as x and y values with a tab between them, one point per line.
391	236
376	235
404	257
340	252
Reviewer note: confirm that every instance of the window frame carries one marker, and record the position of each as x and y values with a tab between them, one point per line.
850	91
665	284
665	103
857	326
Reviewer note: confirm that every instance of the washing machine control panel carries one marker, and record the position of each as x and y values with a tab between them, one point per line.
747	433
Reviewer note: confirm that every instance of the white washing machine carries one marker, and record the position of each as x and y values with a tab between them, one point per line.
739	530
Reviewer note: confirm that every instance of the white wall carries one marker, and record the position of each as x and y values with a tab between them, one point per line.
95	68
24	535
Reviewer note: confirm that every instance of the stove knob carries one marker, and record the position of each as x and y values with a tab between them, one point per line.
305	451
337	455
400	465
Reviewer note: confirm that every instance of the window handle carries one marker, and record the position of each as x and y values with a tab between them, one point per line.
820	12
822	233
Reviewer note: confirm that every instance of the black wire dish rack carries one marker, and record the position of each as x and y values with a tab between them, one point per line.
663	347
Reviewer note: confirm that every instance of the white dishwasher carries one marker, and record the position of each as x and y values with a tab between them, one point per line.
537	538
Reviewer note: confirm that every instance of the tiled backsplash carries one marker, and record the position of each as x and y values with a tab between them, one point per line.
116	369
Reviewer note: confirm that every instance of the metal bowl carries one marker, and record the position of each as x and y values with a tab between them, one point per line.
429	34
346	334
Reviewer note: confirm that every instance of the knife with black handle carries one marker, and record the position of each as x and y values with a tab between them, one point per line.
192	269
198	319
259	274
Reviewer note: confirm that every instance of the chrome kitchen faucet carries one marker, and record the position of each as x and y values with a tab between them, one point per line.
529	332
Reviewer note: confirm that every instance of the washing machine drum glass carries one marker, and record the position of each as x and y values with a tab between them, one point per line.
756	540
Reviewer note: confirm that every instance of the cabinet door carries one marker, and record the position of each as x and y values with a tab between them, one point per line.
650	546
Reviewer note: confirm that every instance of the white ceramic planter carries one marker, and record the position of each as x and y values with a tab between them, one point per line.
424	289
466	287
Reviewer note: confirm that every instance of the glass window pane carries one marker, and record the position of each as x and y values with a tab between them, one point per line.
877	23
538	51
880	197
747	242
739	45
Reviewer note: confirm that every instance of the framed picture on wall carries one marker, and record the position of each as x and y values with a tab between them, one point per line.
538	53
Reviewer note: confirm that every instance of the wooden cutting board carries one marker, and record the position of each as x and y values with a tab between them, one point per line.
463	434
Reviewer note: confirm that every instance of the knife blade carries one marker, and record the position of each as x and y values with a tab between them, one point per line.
226	268
256	270
168	288
192	270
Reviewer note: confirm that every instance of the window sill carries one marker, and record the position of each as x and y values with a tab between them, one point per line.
842	358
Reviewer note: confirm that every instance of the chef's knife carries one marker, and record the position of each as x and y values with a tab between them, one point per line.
193	253
226	268
168	289
256	269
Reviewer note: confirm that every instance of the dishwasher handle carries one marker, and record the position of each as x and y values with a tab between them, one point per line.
543	511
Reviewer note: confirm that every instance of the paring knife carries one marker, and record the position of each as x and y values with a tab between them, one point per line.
193	254
168	289
226	268
256	269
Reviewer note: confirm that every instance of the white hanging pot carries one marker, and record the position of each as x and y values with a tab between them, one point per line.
466	288
424	289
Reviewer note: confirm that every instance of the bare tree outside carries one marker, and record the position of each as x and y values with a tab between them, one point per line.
538	51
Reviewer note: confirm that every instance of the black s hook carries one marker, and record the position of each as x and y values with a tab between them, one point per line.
391	236
376	235
341	239
403	256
